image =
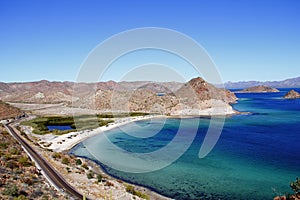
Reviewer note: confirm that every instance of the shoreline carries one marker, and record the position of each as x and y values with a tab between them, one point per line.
96	165
64	144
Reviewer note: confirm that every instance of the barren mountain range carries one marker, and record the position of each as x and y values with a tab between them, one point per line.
165	98
288	83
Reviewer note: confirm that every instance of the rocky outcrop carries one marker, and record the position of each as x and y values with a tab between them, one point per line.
7	111
197	97
258	89
292	95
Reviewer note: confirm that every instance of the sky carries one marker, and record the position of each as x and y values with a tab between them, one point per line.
51	39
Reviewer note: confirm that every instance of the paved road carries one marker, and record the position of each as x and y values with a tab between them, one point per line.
52	174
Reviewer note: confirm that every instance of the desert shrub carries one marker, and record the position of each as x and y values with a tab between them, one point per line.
28	181
136	114
4	132
14	151
78	162
56	155
7	157
108	183
3	145
11	190
84	166
90	175
99	177
11	164
130	189
65	161
25	161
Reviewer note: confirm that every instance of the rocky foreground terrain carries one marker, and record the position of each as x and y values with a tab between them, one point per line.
19	178
169	98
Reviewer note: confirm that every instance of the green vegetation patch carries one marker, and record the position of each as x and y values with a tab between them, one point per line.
120	115
83	122
130	189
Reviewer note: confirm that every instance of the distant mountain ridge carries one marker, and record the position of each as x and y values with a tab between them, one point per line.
287	83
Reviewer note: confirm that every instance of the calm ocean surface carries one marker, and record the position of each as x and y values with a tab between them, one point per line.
256	157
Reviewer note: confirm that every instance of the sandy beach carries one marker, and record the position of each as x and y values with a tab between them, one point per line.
60	143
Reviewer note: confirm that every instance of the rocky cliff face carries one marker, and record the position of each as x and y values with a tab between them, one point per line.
292	95
165	98
259	89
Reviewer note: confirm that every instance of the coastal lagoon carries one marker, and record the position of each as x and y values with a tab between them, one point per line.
59	127
256	157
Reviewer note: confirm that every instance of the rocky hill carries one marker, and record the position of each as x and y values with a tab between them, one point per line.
258	89
142	96
57	92
292	95
188	99
8	111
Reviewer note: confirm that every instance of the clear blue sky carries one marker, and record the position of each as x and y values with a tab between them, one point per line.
247	39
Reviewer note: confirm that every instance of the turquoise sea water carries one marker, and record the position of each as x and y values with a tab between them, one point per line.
256	156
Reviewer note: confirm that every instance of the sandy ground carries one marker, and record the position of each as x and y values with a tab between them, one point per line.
53	109
219	108
60	143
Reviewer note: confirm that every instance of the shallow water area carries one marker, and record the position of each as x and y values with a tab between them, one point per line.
256	156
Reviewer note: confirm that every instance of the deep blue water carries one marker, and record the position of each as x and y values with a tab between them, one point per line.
256	157
62	128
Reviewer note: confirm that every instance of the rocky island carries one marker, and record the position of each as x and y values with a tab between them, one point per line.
258	89
292	94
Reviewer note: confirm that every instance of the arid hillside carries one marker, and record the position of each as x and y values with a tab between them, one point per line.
142	96
19	177
8	111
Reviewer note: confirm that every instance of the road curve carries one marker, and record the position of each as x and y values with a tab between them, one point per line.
52	174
